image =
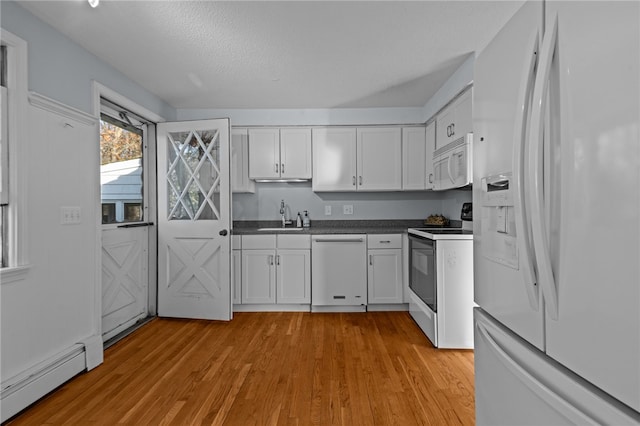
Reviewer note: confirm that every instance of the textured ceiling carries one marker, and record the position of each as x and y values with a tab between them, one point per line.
268	54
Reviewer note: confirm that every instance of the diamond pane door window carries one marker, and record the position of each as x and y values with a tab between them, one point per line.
193	175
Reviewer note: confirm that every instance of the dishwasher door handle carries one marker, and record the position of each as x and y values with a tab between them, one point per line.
335	240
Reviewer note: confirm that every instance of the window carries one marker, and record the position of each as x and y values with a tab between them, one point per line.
121	165
13	112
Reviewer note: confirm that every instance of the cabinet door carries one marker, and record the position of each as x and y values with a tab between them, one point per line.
444	127
379	159
237	276
413	158
463	119
240	181
295	153
334	159
264	153
430	142
385	276
293	276
258	276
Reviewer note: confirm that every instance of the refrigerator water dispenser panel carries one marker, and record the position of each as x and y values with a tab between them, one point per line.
498	241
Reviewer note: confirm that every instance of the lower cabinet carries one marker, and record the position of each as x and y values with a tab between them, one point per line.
276	269
384	275
236	259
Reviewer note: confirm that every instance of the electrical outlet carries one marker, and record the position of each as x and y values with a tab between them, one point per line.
347	209
327	210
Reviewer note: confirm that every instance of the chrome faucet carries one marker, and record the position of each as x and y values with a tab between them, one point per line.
282	214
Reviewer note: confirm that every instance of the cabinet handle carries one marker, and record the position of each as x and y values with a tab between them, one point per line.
385	242
360	180
277	171
282	168
370	260
354	181
270	259
453	129
278	260
430	177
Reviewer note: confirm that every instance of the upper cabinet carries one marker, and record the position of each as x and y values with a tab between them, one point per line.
280	153
240	181
455	121
417	157
334	159
363	159
430	141
379	155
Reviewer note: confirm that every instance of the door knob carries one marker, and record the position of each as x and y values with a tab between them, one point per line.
224	232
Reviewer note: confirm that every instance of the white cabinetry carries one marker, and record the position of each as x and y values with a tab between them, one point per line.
379	154
280	153
363	159
384	269
430	141
455	121
276	269
240	181
236	259
334	159
415	155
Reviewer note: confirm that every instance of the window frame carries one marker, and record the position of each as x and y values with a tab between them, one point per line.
16	226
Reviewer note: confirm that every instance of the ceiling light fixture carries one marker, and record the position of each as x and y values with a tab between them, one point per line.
94	3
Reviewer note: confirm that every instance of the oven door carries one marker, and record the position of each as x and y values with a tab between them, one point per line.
422	270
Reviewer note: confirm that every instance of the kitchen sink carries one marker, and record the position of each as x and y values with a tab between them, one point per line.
280	229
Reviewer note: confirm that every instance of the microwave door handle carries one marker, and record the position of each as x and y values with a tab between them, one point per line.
520	179
535	161
449	161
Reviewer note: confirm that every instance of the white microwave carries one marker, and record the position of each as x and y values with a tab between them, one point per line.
452	164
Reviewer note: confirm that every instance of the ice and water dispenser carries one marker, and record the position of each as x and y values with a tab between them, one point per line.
498	226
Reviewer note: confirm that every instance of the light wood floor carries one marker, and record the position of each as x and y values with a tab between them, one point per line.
270	369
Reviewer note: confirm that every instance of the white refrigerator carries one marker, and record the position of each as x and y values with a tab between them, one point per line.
556	216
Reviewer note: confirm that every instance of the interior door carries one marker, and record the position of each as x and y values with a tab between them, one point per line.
194	262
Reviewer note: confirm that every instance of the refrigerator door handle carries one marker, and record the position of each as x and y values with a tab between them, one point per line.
532	382
519	178
535	162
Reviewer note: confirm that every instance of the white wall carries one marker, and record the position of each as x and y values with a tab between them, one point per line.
454	85
54	306
265	203
62	70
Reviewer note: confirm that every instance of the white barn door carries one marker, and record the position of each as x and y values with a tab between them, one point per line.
194	272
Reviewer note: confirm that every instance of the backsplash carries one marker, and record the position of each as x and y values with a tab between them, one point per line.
265	203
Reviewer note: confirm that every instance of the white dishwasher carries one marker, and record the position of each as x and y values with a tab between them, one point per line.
339	271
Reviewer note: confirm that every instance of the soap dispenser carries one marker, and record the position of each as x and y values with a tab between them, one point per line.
305	221
298	221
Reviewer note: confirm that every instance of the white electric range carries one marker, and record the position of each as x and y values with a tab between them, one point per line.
441	284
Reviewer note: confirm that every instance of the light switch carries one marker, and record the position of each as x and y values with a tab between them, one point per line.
347	209
327	210
70	215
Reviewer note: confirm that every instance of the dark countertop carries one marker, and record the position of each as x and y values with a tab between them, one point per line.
244	227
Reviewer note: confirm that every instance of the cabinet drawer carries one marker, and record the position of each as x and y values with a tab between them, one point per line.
384	241
257	242
294	242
